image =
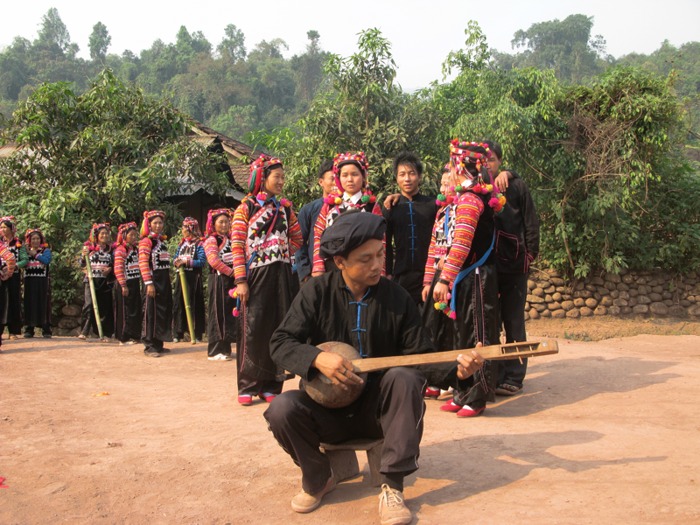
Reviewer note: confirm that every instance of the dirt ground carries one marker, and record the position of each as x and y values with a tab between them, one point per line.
607	431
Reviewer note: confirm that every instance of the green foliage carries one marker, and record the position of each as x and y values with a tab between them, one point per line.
596	159
565	46
362	109
99	42
107	154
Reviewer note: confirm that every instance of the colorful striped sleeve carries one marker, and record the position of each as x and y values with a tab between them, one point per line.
294	233
318	266
9	263
211	250
119	265
145	247
429	272
239	237
467	211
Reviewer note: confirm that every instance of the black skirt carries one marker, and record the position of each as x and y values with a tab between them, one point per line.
128	312
477	321
103	292
221	324
196	292
37	301
272	288
14	303
158	310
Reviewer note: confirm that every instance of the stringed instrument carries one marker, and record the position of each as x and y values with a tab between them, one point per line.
326	394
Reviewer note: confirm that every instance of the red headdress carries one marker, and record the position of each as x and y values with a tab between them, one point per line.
358	159
148	216
94	232
259	170
12	223
31	231
123	230
192	225
211	218
469	160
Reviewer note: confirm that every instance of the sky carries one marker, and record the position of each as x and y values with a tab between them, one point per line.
421	33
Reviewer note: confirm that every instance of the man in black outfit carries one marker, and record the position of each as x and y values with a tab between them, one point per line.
410	219
517	245
357	306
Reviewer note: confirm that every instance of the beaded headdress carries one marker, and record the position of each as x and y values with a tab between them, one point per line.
123	230
192	225
259	169
10	221
359	159
211	218
148	216
31	231
95	230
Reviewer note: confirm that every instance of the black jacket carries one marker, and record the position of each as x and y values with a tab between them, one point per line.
517	230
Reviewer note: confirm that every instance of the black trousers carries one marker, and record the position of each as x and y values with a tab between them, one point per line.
412	282
391	406
512	291
14	304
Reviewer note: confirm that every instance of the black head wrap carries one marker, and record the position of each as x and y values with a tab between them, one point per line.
349	231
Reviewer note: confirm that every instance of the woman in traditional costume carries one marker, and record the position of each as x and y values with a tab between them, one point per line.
190	259
350	171
37	284
460	274
7	269
128	306
154	265
8	231
266	235
221	325
99	251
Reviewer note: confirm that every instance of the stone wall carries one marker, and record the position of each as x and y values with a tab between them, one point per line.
654	294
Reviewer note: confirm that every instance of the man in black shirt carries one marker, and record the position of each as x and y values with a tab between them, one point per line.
357	306
517	245
410	219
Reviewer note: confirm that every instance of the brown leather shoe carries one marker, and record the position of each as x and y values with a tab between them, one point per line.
305	502
392	508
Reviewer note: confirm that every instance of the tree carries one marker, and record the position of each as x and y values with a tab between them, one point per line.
54	34
308	69
361	110
99	42
232	47
597	159
107	154
565	46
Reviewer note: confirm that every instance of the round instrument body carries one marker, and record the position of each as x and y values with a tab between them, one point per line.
325	393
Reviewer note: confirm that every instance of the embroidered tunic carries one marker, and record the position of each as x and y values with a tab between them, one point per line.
462	234
221	325
328	214
154	264
265	235
127	309
7	268
37	291
102	277
191	251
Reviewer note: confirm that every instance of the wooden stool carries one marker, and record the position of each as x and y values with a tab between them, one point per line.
343	458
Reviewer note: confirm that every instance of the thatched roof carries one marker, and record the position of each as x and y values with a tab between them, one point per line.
238	154
238	157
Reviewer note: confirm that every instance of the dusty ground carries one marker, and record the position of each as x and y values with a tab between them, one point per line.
605	432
